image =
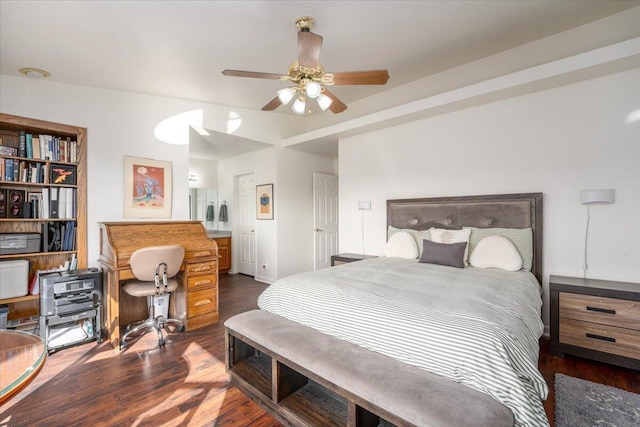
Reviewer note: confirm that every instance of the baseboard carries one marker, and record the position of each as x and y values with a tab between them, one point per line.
263	279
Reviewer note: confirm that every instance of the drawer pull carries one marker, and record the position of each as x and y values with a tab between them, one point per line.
201	254
601	310
600	337
202	268
203	302
203	282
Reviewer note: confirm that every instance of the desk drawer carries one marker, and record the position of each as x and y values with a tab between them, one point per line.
201	267
606	311
202	302
201	282
608	339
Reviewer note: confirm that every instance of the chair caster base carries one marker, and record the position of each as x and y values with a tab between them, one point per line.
161	343
181	328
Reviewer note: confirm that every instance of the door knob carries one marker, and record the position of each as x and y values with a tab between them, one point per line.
318	230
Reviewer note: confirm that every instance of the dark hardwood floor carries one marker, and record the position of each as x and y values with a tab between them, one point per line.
185	384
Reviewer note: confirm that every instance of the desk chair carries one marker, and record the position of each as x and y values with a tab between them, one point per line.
155	268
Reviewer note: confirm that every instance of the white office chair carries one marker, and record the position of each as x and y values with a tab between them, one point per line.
155	267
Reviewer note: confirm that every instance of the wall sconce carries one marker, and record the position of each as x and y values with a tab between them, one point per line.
363	205
593	197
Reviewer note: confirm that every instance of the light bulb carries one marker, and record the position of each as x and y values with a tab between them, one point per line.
286	95
312	89
324	101
298	106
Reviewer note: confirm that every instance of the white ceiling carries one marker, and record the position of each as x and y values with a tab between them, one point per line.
179	48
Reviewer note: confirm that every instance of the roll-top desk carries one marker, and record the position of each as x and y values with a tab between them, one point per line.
195	301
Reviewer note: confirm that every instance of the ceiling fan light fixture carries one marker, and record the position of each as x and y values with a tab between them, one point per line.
299	106
286	95
313	89
324	101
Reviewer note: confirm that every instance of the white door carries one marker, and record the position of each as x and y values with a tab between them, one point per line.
246	241
325	219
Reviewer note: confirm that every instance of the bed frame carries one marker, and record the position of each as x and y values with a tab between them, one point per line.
522	210
307	378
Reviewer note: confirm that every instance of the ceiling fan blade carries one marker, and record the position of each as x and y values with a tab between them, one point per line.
309	45
272	105
371	77
336	106
254	74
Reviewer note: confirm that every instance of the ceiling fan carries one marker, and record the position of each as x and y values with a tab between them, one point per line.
309	78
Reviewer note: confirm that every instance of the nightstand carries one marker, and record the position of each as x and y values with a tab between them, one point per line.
596	319
345	258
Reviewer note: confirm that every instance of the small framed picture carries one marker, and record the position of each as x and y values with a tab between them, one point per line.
62	174
264	201
16	197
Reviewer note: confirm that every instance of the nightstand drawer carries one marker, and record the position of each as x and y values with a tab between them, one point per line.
608	339
606	311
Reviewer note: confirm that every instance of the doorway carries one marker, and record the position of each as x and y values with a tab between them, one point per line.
325	219
246	208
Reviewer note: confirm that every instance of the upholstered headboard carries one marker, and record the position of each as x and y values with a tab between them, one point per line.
495	211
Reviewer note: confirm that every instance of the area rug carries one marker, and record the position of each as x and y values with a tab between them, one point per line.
584	404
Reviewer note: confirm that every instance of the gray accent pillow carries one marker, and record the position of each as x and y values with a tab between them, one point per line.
450	254
522	239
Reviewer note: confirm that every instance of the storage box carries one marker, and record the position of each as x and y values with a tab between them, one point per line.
19	243
14	278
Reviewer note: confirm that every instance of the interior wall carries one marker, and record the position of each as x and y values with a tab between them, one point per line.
122	124
558	142
262	164
206	172
295	208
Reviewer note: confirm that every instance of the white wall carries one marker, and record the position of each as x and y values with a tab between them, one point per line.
262	164
206	172
122	124
295	208
558	142
284	244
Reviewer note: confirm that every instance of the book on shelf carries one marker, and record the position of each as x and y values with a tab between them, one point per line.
22	144
28	146
35	147
58	236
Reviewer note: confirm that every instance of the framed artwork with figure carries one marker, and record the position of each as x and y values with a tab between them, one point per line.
147	188
264	201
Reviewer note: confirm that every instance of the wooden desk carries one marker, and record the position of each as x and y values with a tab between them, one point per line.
195	301
21	358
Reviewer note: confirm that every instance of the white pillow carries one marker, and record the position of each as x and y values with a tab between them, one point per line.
442	235
496	252
418	235
401	245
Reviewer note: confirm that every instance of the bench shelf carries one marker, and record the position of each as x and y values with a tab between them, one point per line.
293	397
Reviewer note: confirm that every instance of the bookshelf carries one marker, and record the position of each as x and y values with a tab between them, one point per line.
41	173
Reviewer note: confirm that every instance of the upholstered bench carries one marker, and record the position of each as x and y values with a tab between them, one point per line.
306	377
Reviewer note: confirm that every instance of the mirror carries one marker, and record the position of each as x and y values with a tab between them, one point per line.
203	206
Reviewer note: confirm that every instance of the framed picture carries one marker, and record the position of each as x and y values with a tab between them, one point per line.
264	201
62	174
147	188
15	203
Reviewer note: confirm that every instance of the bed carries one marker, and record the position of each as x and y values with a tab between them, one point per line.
475	326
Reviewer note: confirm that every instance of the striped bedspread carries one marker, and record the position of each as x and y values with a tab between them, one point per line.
477	327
